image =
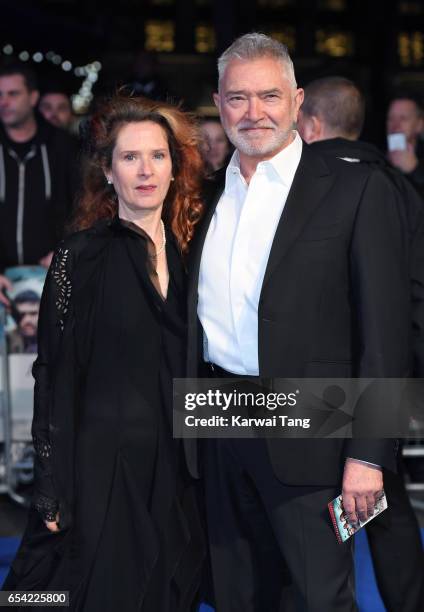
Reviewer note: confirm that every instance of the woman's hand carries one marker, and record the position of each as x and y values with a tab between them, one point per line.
53	526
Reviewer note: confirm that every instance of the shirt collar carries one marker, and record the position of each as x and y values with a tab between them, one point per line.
283	165
233	174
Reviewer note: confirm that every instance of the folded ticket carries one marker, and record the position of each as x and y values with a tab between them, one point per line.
341	524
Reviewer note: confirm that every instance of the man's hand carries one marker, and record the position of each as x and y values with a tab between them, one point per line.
46	260
5	284
406	161
362	484
53	526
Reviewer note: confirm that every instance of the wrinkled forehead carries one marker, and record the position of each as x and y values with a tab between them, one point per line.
256	74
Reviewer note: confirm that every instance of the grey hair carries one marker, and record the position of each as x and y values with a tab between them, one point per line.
256	46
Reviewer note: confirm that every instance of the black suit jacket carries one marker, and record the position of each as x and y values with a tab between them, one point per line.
334	301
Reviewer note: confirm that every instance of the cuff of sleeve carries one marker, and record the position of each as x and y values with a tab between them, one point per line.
47	507
373	465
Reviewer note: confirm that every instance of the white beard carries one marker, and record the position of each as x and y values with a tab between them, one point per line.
248	146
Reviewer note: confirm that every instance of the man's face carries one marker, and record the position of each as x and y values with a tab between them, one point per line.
403	116
27	313
56	109
258	105
16	101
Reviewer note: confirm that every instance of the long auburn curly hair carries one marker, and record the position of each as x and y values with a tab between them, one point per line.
183	205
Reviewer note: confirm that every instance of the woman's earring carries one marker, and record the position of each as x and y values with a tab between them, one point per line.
109	182
172	178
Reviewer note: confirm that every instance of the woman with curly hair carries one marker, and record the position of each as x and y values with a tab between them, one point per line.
115	520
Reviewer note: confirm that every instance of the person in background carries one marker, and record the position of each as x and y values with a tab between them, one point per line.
114	519
38	175
25	310
145	79
56	108
215	144
331	120
405	116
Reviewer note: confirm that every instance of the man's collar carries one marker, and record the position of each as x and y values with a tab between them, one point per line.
283	163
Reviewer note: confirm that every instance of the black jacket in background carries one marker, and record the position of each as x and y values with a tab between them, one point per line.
412	205
36	194
357	151
417	176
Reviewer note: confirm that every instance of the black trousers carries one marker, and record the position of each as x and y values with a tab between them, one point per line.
240	487
259	527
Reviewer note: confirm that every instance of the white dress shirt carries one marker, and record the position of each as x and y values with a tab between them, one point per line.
235	256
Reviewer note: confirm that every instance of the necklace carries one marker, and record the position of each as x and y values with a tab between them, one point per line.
159	251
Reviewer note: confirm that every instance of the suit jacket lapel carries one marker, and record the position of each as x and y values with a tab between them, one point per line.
310	184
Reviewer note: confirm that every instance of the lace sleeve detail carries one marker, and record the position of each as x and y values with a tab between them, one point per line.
43	449
55	311
62	283
47	507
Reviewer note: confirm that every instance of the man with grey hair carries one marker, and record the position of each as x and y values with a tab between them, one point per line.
270	136
283	283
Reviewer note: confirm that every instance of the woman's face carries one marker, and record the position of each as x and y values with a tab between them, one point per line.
141	169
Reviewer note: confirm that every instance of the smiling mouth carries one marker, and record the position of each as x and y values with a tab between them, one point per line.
254	129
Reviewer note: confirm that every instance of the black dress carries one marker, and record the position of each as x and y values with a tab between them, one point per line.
109	346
